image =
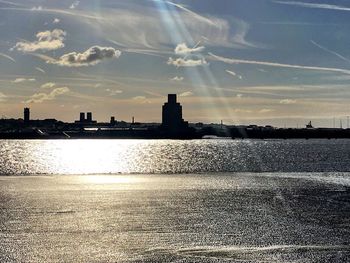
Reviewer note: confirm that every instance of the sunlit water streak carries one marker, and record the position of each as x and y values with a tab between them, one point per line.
172	156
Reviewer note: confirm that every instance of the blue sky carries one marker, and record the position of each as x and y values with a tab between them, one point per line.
257	61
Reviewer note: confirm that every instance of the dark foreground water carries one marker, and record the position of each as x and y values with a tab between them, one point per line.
227	208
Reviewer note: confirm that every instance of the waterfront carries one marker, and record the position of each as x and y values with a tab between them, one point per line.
175	201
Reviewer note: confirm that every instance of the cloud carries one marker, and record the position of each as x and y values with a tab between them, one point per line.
180	62
48	85
20	80
233	74
265	111
2	97
92	56
314	5
56	21
114	92
280	65
186	94
183	49
46	40
41	97
288	101
74	5
178	79
139	98
37	8
193	14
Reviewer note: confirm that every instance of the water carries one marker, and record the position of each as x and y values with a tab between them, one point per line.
171	156
175	201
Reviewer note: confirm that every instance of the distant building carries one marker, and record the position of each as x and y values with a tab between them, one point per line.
112	122
26	116
82	117
87	120
172	115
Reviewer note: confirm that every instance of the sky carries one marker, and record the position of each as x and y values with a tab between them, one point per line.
266	62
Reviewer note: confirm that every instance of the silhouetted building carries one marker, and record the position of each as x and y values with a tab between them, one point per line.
82	117
112	122
88	119
26	114
172	115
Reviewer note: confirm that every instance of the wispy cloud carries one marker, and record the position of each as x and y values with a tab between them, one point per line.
92	56
280	65
74	5
314	5
7	56
287	101
330	51
180	62
46	40
20	80
186	94
184	50
48	85
233	74
3	97
56	21
195	15
178	79
41	97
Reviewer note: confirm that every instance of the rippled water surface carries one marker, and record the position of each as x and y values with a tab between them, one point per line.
171	156
175	201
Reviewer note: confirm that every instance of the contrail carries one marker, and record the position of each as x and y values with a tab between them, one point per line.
330	51
8	57
280	65
40	69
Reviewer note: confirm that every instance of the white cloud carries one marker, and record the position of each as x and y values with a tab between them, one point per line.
180	62
56	21
288	101
48	85
114	92
233	74
183	49
41	97
74	5
186	94
280	65
37	8
19	80
92	56
178	79
46	40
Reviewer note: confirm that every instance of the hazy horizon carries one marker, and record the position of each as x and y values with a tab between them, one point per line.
265	62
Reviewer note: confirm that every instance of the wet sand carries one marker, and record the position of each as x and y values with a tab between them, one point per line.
276	217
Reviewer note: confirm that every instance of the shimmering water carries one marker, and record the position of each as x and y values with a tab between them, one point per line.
171	156
175	201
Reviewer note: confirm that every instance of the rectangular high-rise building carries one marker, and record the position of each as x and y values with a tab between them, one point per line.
26	116
89	116
82	117
172	114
